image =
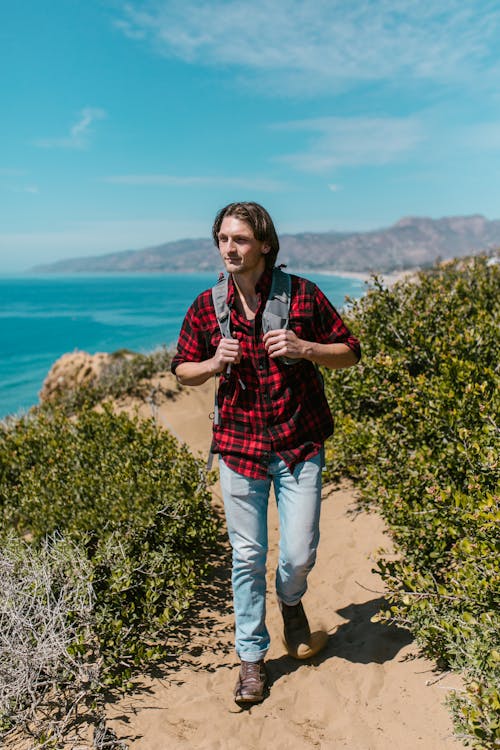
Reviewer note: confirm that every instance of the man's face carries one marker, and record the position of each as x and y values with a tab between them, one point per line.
239	249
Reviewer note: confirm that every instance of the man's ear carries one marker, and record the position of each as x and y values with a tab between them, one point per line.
265	249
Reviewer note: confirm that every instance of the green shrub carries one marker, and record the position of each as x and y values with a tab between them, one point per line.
125	374
126	370
417	427
133	499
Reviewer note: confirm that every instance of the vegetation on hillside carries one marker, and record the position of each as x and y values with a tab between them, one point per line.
110	527
126	374
417	430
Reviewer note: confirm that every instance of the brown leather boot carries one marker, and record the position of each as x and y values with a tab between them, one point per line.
251	684
299	641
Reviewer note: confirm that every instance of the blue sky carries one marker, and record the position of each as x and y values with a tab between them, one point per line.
127	124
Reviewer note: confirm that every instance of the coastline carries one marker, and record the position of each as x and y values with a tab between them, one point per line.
113	320
358	275
44	317
387	278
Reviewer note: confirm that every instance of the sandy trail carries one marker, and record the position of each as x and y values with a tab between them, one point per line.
367	691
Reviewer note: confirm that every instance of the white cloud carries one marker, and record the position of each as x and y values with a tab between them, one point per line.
166	180
325	45
483	136
334	188
79	134
11	180
337	142
130	30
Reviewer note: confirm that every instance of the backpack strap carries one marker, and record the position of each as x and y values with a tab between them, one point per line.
222	313
276	313
219	298
277	310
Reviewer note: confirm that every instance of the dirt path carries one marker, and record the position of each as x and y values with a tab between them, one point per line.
367	691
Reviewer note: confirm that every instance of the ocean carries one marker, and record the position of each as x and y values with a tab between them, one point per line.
43	317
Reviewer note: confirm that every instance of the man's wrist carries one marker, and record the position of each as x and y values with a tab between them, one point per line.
308	350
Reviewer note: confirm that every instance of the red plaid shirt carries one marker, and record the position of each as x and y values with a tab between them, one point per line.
282	408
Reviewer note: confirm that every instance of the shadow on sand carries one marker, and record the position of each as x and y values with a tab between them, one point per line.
358	640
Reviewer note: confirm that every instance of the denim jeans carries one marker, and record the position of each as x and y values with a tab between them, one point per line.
298	498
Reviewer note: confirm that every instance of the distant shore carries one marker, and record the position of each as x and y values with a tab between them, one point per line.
359	275
388	278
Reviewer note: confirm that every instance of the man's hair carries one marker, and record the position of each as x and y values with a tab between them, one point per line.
260	222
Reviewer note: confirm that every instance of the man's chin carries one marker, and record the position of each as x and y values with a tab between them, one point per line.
233	267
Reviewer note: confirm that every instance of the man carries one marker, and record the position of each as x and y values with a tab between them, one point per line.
273	419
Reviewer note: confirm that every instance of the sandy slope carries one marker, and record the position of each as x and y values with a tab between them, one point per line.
367	691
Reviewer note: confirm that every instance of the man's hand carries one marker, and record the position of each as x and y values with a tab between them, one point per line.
283	343
228	353
195	373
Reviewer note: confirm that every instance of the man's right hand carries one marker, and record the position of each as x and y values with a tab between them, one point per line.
196	373
228	353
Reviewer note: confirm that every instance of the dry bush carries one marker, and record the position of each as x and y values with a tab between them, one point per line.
46	606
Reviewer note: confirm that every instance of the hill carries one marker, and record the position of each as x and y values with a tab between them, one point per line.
411	242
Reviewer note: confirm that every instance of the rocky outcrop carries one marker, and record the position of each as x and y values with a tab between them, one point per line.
71	371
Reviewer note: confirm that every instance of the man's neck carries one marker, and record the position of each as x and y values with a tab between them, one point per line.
246	282
245	289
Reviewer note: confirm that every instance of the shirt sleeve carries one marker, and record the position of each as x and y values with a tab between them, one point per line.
192	342
329	326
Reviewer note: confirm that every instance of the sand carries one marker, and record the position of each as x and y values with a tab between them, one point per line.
369	690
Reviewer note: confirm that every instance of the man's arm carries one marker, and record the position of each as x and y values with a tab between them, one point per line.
197	373
331	345
285	343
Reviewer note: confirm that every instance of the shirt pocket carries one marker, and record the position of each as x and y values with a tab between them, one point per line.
237	407
302	322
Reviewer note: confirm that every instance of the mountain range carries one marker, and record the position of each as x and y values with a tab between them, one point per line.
412	242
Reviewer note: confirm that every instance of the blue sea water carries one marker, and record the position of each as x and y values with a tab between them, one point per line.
43	317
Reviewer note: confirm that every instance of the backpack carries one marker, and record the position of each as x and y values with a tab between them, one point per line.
276	313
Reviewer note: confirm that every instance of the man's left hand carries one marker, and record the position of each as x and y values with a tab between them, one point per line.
283	343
